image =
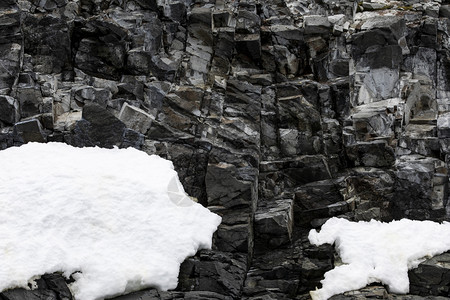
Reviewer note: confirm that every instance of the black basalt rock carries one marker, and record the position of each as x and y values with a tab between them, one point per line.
98	127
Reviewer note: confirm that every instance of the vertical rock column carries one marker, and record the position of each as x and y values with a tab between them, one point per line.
11	45
11	53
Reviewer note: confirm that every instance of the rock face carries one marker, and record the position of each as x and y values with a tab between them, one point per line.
277	115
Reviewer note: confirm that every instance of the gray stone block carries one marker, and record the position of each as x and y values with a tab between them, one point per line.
135	118
30	131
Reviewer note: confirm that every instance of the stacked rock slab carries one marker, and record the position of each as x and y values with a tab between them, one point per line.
277	114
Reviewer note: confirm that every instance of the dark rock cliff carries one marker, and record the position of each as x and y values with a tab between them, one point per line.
277	114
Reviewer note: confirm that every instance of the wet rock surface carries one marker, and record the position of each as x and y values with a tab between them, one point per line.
277	115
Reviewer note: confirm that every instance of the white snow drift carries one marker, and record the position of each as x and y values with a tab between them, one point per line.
377	252
119	220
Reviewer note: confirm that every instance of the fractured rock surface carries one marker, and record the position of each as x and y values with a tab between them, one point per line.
277	115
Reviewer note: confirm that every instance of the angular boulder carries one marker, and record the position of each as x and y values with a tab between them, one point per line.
30	131
135	118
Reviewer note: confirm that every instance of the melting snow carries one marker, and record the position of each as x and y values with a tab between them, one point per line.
377	252
119	218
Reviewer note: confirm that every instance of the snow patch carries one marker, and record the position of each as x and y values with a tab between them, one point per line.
119	220
377	252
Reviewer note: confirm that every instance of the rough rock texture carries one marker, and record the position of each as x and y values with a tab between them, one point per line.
277	114
432	277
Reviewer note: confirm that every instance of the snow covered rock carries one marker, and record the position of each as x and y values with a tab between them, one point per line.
377	252
117	220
